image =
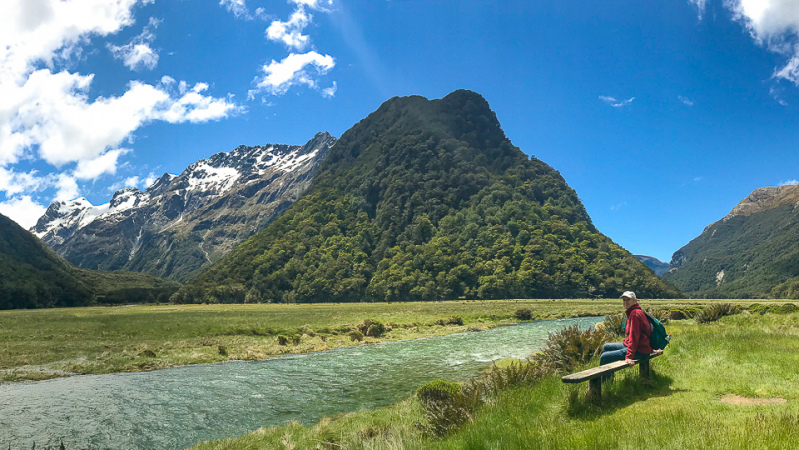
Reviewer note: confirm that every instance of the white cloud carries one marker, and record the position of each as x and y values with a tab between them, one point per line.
238	8
103	164
331	91
618	207
22	210
700	6
295	69
290	33
313	4
616	103
138	54
685	100
789	183
775	24
46	111
67	187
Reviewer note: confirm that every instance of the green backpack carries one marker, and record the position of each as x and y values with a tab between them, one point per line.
658	338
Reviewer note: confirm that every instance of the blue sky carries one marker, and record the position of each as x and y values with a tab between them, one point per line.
661	115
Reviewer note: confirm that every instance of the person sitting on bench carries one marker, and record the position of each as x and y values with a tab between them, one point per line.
636	345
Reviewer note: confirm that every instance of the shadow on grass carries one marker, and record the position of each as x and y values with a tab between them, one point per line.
624	391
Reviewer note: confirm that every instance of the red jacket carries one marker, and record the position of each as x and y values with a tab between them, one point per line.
638	332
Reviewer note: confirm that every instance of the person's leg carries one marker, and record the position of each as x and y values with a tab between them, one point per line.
615	351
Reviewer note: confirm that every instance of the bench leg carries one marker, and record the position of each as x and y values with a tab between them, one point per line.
643	369
594	390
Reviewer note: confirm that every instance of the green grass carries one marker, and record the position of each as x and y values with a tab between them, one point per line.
749	355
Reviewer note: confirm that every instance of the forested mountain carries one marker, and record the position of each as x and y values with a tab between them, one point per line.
183	223
753	252
33	276
428	200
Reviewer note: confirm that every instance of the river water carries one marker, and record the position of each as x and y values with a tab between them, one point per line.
179	407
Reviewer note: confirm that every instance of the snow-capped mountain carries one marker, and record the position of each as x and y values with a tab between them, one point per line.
184	222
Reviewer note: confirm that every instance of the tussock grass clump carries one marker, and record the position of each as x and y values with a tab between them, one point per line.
356	336
663	315
612	325
450	321
371	328
524	314
716	311
570	347
448	405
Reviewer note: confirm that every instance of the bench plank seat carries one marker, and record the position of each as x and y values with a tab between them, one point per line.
593	374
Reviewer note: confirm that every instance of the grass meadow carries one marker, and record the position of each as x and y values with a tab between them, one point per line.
751	358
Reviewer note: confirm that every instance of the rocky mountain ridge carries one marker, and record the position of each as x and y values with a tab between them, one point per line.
183	222
752	252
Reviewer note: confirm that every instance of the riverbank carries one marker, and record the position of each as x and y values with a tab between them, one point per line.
728	384
49	343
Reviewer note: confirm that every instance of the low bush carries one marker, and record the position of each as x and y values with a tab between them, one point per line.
523	314
282	339
356	336
450	321
222	350
147	354
663	315
716	311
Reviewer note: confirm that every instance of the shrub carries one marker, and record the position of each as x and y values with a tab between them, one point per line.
450	321
222	350
306	329
663	315
438	391
570	347
788	308
376	329
523	314
147	353
716	311
282	340
759	308
356	336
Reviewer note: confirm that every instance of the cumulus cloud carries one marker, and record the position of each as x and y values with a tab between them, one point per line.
22	210
47	113
612	101
138	54
295	69
290	32
789	183
685	100
774	24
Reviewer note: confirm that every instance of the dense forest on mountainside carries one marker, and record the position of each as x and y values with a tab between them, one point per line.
34	276
742	256
428	200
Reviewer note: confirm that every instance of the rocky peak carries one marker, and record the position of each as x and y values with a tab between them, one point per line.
765	198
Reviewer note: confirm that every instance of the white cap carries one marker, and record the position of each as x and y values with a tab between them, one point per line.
629	295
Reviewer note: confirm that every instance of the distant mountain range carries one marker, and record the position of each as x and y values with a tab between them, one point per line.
428	200
752	252
183	223
655	264
34	277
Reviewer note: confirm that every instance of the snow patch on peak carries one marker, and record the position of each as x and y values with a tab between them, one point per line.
204	177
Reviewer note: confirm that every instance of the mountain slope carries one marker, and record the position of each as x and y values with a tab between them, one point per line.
753	252
657	266
183	223
36	277
427	200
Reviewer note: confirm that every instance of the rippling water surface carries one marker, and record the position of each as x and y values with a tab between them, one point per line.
176	408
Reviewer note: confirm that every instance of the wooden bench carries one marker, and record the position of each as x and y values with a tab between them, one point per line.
594	374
